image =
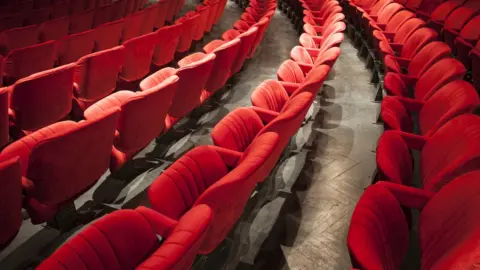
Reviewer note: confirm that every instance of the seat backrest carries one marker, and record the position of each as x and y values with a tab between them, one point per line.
57	163
417	41
388	12
394	161
188	27
19	64
471	30
378	236
453	150
193	78
60	10
19	37
81	21
398	20
225	55
328	57
161	17
289	71
455	98
203	13
139	53
307	41
428	56
247	38
172	5
168	38
37	16
178	252
439	74
79	6
441	12
378	7
394	115
73	47
103	15
108	35
262	27
96	73
407	29
459	17
133	25
54	29
449	225
119	9
149	19
11	203
103	242
11	21
53	87
142	118
269	95
228	196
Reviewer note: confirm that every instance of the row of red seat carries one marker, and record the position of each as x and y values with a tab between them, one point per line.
21	43
24	13
421	78
53	159
217	178
95	75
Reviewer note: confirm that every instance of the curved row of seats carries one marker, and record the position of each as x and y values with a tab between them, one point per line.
24	13
211	182
425	89
67	39
52	161
95	75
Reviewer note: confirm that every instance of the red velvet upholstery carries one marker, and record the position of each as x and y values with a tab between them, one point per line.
423	60
53	87
188	27
140	119
439	74
61	161
120	8
457	20
54	29
18	38
200	28
224	57
262	27
11	203
289	71
133	25
168	38
11	21
128	239
221	179
103	14
193	78
73	47
451	151
378	237
138	56
96	75
441	12
19	64
465	42
162	12
82	21
108	35
149	19
451	100
247	38
303	59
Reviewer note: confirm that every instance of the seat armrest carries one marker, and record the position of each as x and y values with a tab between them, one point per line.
305	67
413	141
116	99
266	115
162	224
408	196
230	157
318	40
313	52
214	44
402	62
388	35
397	47
411	105
381	26
290	87
190	59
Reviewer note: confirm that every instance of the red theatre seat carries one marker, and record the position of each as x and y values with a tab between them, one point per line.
439	74
54	87
188	28
96	76
466	40
303	59
61	161
133	25
108	35
18	38
168	38
140	120
135	239
475	56
378	237
19	64
451	151
82	21
139	53
162	12
54	29
73	47
11	203
149	19
220	178
247	38
193	77
11	21
455	98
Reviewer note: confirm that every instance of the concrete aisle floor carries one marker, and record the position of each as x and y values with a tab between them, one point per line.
331	162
